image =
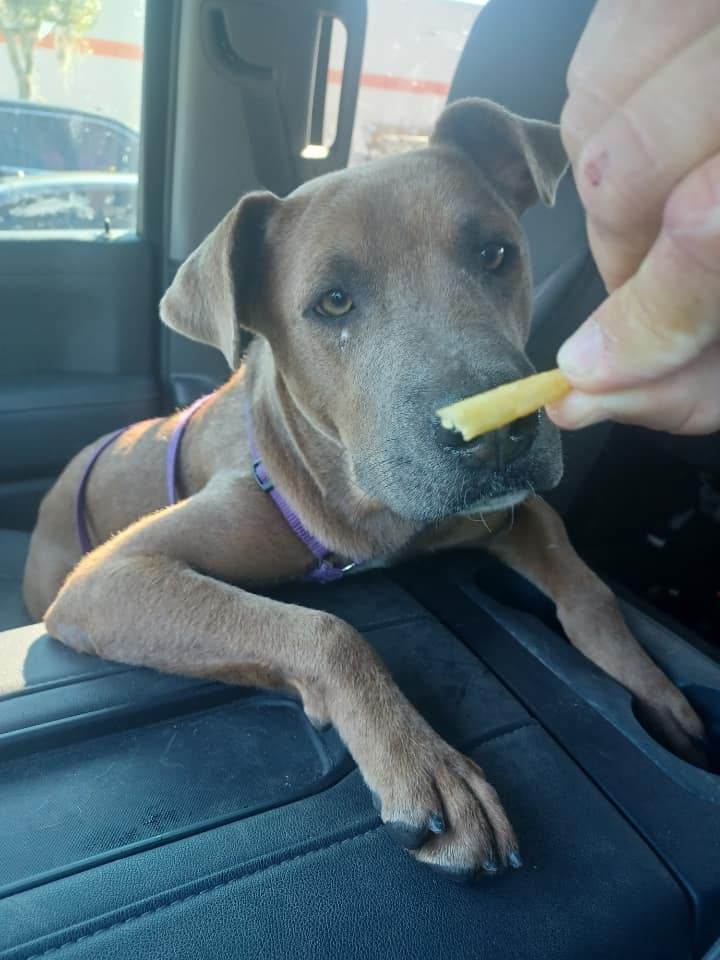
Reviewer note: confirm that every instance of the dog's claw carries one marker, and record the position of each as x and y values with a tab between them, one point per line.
436	823
437	803
407	835
412	836
674	724
515	860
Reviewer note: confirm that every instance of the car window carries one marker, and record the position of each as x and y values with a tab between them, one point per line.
72	117
411	52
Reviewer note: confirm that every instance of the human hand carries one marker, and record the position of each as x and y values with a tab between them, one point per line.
642	129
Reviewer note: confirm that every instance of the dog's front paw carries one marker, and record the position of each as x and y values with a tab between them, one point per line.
437	803
666	714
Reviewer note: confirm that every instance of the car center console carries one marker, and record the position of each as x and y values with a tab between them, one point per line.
152	816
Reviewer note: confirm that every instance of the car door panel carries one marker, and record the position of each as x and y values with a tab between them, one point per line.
77	355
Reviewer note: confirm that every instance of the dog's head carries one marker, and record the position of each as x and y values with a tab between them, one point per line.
387	291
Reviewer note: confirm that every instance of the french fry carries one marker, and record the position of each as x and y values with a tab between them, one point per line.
496	408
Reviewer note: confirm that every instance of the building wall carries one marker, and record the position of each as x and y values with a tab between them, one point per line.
104	77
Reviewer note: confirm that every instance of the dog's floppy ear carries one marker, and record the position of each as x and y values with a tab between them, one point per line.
524	159
216	290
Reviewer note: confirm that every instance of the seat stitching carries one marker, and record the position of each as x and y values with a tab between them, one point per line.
221	884
196	895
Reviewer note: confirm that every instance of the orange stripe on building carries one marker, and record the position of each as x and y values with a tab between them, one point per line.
97	45
115	48
378	81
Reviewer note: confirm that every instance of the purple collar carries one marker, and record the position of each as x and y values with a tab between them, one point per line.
325	570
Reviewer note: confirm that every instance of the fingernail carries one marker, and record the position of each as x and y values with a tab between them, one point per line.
436	823
515	860
579	355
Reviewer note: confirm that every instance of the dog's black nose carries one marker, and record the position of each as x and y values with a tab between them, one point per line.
498	448
514	440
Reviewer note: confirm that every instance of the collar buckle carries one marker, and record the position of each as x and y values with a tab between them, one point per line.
261	476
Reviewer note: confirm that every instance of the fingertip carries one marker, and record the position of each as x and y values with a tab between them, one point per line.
576	410
580	355
555	413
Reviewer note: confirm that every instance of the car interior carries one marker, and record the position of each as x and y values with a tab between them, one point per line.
145	815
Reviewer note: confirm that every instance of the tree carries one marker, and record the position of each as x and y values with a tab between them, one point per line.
21	22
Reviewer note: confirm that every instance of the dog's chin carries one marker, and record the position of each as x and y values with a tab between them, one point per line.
430	501
491	501
424	509
444	488
493	504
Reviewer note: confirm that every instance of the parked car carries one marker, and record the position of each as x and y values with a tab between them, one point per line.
69	201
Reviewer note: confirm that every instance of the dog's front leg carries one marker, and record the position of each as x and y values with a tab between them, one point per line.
151	597
538	547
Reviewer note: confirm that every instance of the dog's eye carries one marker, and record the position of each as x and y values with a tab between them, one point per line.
492	256
334	303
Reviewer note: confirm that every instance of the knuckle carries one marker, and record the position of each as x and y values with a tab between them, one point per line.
631	134
613	211
604	200
612	189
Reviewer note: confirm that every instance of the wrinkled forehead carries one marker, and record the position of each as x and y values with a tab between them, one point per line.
376	214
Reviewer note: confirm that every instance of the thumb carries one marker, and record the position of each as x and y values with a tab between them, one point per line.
685	401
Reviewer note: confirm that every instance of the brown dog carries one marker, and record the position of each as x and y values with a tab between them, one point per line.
377	294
